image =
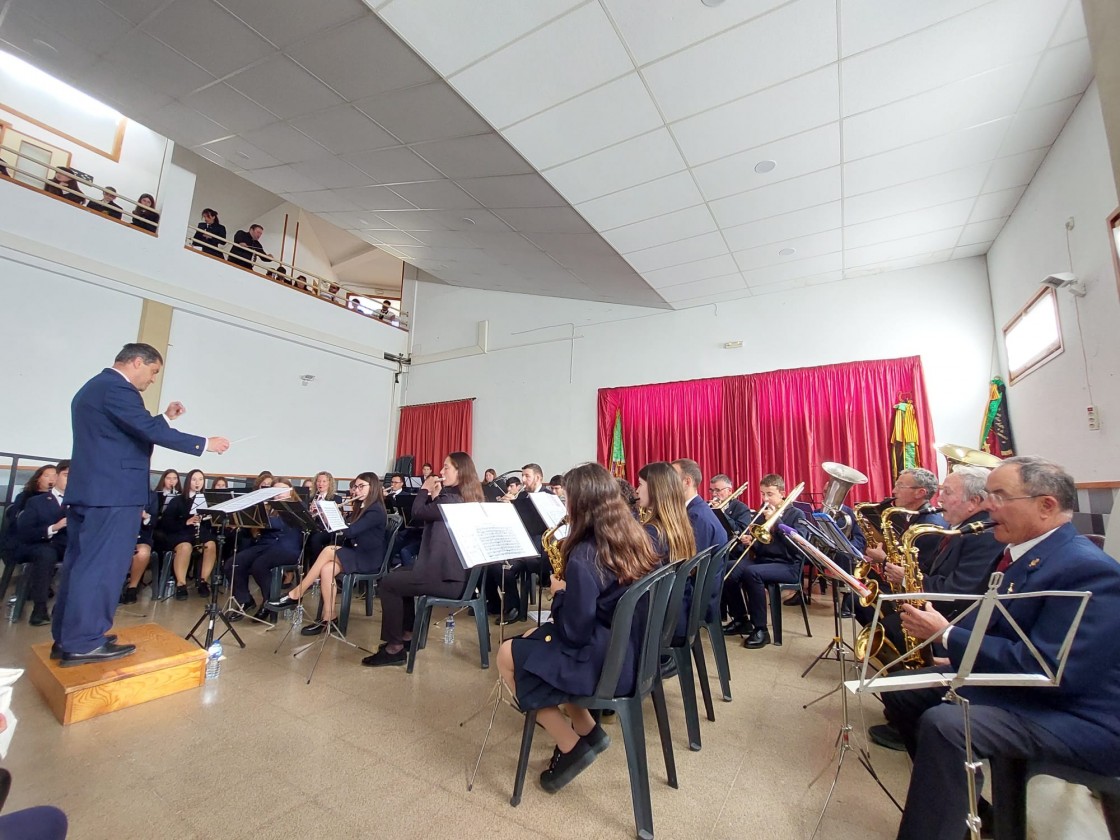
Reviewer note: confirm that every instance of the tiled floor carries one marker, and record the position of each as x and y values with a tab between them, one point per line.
259	753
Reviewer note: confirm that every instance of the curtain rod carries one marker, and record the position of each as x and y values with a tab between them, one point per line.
444	402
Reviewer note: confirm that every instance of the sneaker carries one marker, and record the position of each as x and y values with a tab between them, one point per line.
203	589
130	595
180	593
597	739
887	736
383	657
566	766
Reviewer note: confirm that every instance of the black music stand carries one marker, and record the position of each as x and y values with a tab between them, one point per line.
831	540
535	526
212	612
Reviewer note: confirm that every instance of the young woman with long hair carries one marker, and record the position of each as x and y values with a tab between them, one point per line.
661	494
184	528
605	551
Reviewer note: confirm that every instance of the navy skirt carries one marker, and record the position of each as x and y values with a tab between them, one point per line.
532	691
354	562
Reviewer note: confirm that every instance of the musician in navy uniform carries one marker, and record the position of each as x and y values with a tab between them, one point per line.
113	439
1078	722
41	532
707	529
737	513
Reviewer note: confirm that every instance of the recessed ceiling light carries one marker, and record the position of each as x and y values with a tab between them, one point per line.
39	42
243	154
711	2
363	222
764	166
468	221
787	252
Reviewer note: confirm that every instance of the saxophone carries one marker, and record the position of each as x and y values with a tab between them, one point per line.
551	545
871	533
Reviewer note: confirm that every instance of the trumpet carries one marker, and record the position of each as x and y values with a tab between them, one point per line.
720	504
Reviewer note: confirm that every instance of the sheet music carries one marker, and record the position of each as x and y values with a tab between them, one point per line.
550	508
8	677
249	499
332	515
486	532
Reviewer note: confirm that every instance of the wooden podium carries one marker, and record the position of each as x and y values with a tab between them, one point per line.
163	664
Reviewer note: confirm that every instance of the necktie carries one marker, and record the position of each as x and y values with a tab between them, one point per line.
1005	560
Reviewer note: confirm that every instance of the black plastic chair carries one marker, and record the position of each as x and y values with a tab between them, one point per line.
23	585
474	596
715	634
775	590
655	590
161	571
350	581
680	648
1009	794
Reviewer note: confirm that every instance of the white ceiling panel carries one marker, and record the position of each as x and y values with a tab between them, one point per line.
675	253
241	153
439	238
929	157
323	201
191	128
228	108
645	201
1063	72
278	179
375	198
394	165
943	216
81	23
681	224
1014	171
980	232
977	250
443	220
427	112
775	199
690	272
33	41
822	217
609	114
972	43
145	58
436	195
913	246
803	247
132	10
745	59
282	86
711	286
996	204
285	23
386	237
793	270
478	156
1072	25
925	192
535	220
783	110
632	162
332	173
1040	127
567	57
811	151
344	129
708	300
512	191
467	31
208	35
285	142
870	23
362	58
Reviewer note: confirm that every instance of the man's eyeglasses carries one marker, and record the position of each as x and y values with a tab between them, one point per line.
998	499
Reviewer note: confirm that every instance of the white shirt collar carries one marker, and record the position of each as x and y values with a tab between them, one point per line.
121	372
1022	548
57	495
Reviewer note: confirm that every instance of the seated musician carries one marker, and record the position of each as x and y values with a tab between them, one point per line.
763	563
513	489
661	496
532	481
913	490
605	552
184	529
437	570
426	471
142	554
41	532
323	488
361	551
490	487
1077	723
41	481
706	527
736	512
277	545
393	495
326	488
556	485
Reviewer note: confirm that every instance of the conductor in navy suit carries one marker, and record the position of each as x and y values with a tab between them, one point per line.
1076	723
108	487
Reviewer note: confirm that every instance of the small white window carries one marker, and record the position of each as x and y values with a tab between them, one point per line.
1034	336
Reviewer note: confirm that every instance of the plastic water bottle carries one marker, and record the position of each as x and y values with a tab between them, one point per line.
214	661
12	608
169	590
449	630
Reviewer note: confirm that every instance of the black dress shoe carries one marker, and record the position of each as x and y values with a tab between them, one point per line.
105	653
39	616
130	595
56	650
796	601
263	614
233	616
759	638
249	606
314	628
204	589
737	627
510	617
282	603
180	593
383	657
887	736
845	612
407	645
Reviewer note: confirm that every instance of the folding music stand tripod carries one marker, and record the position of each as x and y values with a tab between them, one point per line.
251	517
212	612
826	530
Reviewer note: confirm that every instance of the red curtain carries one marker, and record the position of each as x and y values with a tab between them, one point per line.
430	432
784	421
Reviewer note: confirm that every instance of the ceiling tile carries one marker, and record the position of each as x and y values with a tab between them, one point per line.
866	25
321	201
645	201
783	197
512	191
811	151
332	173
362	58
388	237
745	59
675	253
208	35
1014	170
925	192
1072	25
632	162
900	248
980	232
794	270
692	221
134	11
1063	72
146	58
242	154
996	204
708	300
690	272
344	129
283	87
278	179
467	31
184	125
900	226
1038	127
411	219
440	238
473	157
229	108
822	217
533	220
436	195
976	250
928	157
654	28
568	57
82	23
713	285
396	165
34	42
285	143
804	247
283	23
995	34
609	114
374	198
428	112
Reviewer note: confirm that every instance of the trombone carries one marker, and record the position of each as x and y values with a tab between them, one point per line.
723	503
763	532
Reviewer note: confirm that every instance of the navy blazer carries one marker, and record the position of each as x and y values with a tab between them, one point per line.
436	548
779	549
963	565
113	439
9	540
1084	710
40	512
366	536
280	534
739	514
710	533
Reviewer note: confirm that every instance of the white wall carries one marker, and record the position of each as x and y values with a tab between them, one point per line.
1047	406
536	387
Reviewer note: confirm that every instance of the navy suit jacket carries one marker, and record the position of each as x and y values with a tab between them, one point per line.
113	440
1084	710
710	533
40	512
366	536
963	566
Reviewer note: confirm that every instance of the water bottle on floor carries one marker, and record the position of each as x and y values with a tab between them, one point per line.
449	630
214	661
169	590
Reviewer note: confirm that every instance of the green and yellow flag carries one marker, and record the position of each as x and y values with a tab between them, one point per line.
618	456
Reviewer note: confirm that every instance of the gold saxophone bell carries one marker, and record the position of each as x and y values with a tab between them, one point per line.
763	532
551	546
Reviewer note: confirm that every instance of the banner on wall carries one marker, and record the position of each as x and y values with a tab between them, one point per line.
995	432
618	454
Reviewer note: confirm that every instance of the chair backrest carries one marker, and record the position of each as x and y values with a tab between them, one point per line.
676	599
653	591
393	523
711	584
405	464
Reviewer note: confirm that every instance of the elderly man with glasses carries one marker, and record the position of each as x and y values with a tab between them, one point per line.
1078	722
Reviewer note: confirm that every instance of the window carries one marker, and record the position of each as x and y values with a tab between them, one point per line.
1034	336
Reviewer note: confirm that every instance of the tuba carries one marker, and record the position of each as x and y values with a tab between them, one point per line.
551	545
955	455
842	478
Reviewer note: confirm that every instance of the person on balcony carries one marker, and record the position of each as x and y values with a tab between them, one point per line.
145	216
247	248
211	234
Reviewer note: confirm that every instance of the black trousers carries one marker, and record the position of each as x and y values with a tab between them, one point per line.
397	593
537	565
753	577
40	559
933	730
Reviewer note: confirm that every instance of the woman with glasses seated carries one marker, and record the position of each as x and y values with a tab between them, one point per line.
361	551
